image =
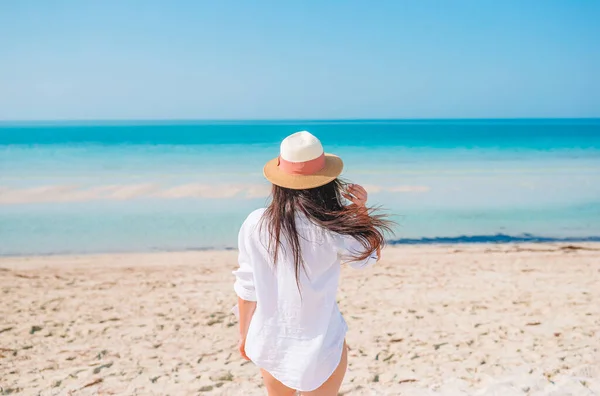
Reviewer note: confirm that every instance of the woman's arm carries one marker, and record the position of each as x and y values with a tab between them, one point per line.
244	287
246	310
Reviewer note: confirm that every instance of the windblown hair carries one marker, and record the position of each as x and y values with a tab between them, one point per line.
322	206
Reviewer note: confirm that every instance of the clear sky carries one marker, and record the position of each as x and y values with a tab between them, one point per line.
220	59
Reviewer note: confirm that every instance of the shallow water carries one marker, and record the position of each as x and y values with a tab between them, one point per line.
87	187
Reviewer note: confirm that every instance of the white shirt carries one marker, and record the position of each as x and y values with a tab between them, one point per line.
297	338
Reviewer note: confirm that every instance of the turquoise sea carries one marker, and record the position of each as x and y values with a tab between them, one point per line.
73	187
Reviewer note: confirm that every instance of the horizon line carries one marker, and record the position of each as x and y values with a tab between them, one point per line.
222	120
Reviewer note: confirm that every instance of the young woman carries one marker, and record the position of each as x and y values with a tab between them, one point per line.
290	256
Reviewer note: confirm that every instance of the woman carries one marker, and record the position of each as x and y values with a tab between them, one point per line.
289	256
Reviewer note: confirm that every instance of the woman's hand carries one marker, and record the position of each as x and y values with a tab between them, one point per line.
242	348
356	194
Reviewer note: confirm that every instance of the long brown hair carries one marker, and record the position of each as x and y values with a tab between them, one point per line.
322	206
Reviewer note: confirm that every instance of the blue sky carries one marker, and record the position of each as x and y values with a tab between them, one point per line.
298	59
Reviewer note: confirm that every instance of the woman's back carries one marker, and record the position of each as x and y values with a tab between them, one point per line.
302	316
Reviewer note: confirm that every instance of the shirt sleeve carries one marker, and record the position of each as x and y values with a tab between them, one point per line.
349	246
244	275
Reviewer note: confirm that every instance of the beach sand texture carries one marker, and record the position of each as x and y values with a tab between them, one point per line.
427	320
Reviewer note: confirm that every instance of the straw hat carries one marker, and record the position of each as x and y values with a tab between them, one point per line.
302	163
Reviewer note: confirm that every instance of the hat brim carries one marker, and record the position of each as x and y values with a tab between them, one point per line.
332	169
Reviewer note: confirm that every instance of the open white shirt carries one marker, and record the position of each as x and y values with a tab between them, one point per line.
297	338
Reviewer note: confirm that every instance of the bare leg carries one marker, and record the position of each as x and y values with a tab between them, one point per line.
274	387
331	387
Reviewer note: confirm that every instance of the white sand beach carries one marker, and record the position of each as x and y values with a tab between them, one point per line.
427	320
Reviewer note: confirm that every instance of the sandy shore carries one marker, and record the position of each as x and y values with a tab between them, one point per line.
450	320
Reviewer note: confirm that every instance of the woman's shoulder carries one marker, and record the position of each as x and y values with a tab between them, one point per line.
253	218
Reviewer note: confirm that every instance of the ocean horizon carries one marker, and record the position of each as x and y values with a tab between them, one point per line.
116	186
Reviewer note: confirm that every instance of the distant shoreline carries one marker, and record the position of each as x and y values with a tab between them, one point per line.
493	239
476	240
